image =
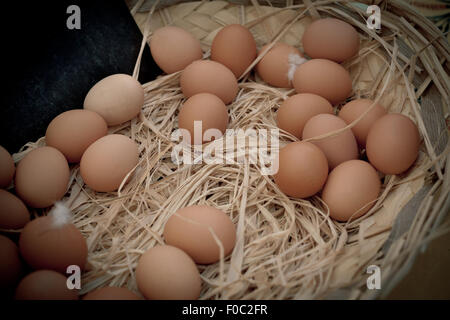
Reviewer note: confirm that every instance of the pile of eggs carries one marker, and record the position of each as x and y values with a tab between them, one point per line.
325	159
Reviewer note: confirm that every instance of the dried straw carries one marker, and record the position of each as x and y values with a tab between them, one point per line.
286	248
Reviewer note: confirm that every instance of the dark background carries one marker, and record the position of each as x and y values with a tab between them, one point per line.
48	69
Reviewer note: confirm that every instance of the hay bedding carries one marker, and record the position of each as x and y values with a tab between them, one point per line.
286	248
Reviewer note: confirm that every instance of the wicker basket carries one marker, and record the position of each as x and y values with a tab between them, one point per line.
286	248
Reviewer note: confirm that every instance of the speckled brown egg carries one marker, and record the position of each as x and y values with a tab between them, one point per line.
106	162
11	267
13	212
168	273
209	77
393	143
45	285
7	168
273	68
44	244
339	148
302	169
190	230
351	190
354	109
117	98
111	293
332	39
42	177
296	110
324	78
73	131
234	47
174	48
207	110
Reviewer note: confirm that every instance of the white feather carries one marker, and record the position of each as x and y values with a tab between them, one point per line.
294	61
60	215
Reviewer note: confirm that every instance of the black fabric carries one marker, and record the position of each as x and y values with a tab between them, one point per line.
48	69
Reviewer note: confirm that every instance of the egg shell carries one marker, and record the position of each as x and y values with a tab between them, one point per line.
302	170
168	273
234	47
210	77
332	39
189	230
354	109
42	177
204	107
173	48
337	149
7	168
13	212
117	98
351	190
393	143
73	131
11	267
106	162
111	293
296	110
324	78
45	285
43	245
273	68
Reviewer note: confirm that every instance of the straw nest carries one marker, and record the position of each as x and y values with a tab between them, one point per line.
286	248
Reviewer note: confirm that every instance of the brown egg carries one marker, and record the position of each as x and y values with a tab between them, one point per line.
208	109
273	68
337	149
45	285
303	169
210	77
324	78
73	131
117	98
393	143
189	229
111	293
331	39
13	212
42	177
354	109
10	264
173	48
168	273
7	168
235	48
351	190
107	161
296	110
44	244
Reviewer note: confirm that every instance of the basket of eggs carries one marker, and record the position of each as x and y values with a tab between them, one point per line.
287	151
